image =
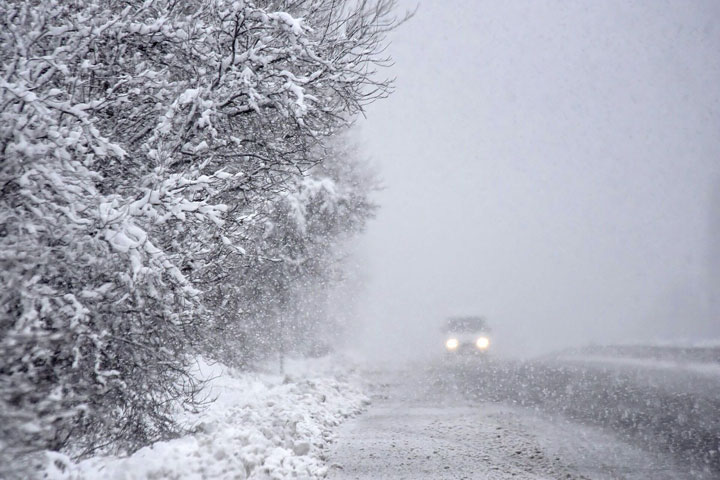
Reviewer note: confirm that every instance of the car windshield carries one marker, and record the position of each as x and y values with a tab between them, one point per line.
465	324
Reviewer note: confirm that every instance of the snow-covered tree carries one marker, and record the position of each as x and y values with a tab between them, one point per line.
274	299
141	143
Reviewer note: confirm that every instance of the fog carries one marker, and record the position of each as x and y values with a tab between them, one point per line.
551	166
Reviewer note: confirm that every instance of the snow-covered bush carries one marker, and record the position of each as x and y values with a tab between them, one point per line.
275	299
142	143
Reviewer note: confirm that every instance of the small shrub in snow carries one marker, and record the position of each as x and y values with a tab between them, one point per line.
261	427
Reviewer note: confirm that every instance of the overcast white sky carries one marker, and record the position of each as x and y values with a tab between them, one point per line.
548	164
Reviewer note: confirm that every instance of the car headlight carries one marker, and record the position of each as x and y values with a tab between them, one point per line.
482	343
452	343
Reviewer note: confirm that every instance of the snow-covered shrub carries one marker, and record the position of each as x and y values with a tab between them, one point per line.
143	144
276	299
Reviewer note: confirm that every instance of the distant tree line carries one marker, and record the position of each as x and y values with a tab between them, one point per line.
174	180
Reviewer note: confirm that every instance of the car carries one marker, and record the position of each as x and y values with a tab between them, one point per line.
466	335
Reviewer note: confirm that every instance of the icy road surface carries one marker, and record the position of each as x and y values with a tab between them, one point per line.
502	420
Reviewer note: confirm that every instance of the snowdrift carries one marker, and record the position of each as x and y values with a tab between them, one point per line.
260	426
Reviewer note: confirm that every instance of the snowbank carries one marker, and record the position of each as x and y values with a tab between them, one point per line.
261	426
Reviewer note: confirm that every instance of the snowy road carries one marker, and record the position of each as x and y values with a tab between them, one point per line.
668	404
561	418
